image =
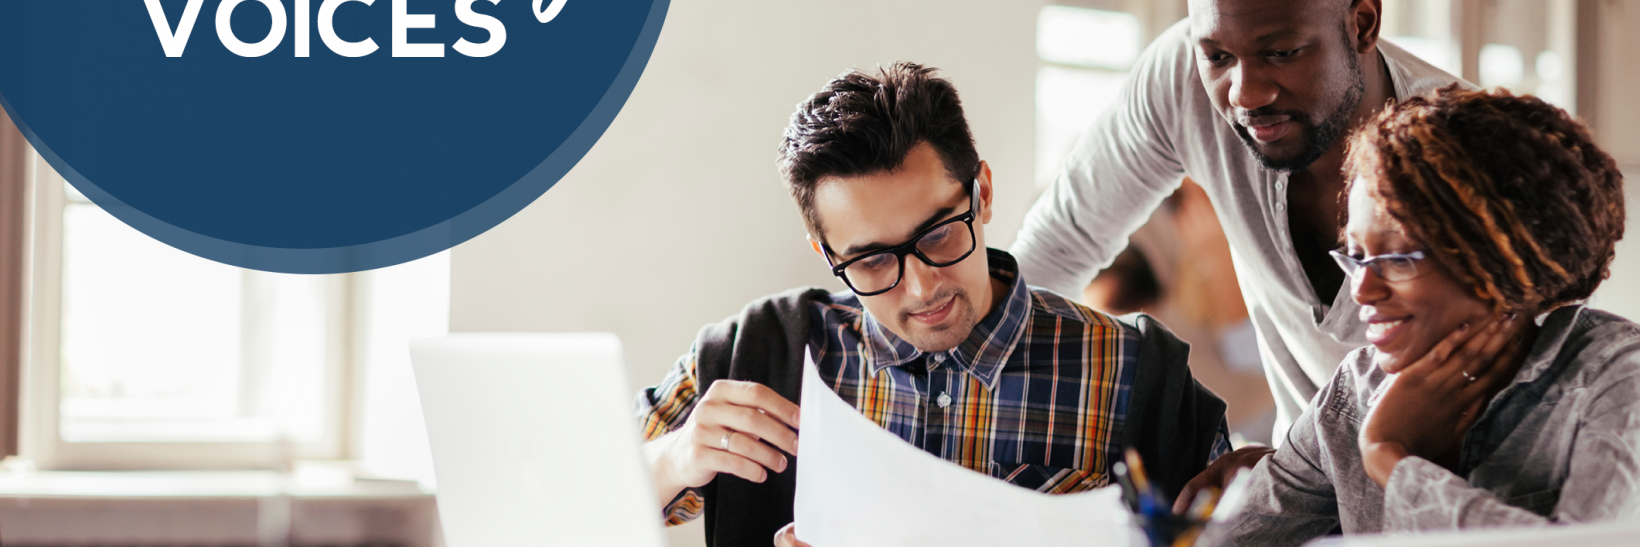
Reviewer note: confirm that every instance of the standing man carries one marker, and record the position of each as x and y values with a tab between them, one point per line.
1251	99
939	340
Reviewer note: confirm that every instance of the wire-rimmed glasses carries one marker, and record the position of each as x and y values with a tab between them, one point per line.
1391	267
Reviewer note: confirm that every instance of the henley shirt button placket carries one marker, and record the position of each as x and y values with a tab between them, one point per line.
1281	188
1281	207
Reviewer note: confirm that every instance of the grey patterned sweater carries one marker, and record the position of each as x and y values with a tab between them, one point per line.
1561	444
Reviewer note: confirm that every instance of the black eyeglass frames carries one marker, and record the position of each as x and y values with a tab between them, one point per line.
943	244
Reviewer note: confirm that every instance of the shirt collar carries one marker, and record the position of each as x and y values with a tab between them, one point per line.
1556	327
1397	72
987	347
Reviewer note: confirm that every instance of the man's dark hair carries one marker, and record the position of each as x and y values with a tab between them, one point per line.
860	124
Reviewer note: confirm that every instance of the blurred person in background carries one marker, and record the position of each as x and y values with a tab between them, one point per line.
1178	268
1490	395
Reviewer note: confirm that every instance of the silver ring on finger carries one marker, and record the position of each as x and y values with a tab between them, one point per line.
1467	377
724	442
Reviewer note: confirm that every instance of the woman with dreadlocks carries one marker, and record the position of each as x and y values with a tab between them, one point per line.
1478	223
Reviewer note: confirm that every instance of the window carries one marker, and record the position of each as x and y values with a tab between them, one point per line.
1424	29
1085	56
1526	46
142	356
143	351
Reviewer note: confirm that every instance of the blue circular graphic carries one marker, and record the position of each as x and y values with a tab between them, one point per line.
318	136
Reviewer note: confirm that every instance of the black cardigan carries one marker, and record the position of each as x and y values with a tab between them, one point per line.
1171	419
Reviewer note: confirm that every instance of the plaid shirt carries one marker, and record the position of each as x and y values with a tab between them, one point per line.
1036	395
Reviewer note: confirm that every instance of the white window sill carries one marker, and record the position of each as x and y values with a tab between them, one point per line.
199	484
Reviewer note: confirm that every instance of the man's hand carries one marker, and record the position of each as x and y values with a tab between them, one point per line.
1219	473
1433	402
731	430
787	537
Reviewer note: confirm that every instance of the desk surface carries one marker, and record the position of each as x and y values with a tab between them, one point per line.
209	508
1623	534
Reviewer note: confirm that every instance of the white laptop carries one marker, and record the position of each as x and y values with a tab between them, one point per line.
534	441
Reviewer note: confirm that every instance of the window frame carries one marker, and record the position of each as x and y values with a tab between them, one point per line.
40	437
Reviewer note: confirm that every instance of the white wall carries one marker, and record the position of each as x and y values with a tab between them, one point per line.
397	304
1620	294
1617	129
1618	123
677	217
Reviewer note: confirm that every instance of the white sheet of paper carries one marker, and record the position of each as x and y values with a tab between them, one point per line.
859	485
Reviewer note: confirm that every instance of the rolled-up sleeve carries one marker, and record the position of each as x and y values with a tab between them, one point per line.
664	407
1602	483
1291	499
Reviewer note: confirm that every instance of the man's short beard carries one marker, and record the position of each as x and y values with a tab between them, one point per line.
1322	136
965	322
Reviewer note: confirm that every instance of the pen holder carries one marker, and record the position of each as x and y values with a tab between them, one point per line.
1165	530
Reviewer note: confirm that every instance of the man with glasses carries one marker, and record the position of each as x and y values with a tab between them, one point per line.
939	340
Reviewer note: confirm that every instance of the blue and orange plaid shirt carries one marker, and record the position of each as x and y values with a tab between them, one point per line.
1036	395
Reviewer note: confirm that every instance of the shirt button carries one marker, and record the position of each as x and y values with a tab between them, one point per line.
1281	207
937	357
945	399
1281	185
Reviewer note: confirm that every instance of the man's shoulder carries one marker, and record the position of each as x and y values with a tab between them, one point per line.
832	309
844	301
1170	60
1414	75
762	342
780	314
1048	304
784	304
1174	43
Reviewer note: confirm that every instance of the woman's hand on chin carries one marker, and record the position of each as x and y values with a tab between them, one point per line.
1432	402
1380	458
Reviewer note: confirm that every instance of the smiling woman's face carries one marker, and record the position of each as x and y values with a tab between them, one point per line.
1405	318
